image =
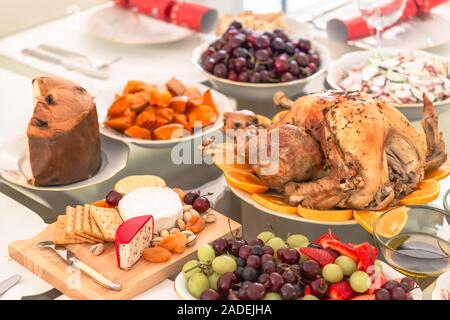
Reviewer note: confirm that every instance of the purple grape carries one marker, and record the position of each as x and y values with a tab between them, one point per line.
319	288
257	251
262	55
255	77
233	295
113	198
302	59
220	70
269	267
254	261
264	280
245	251
296	268
289	276
281	64
268	250
249	274
408	284
262	42
304	45
226	282
239	63
289	256
240	262
289	48
310	269
313	67
398	294
210	294
237	40
288	292
287	76
242	293
219	55
235	246
314	58
382	294
239	271
256	291
220	246
276	281
266	257
243	76
294	69
391	284
190	197
278	44
232	75
256	242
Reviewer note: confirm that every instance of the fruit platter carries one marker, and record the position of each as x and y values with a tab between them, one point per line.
271	268
161	116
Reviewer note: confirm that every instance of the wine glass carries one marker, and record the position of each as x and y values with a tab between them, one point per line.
380	14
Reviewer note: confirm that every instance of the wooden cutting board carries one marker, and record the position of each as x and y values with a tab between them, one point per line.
142	276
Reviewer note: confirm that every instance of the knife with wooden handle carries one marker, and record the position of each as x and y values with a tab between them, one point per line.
74	261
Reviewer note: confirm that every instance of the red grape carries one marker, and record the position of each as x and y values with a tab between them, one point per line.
276	281
269	267
310	269
319	288
220	246
235	246
268	250
243	76
266	257
281	64
210	294
304	45
382	294
278	44
256	242
289	256
245	251
288	292
256	291
226	282
220	70
255	77
398	294
391	284
286	77
254	261
408	284
201	204
113	198
249	274
190	197
257	250
233	295
289	276
262	42
264	280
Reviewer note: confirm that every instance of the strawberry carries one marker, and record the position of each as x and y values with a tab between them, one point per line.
321	256
307	290
340	290
343	248
326	236
367	255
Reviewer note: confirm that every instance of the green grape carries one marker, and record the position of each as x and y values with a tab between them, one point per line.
213	280
360	281
190	268
348	265
224	264
197	284
297	240
310	297
206	253
272	296
332	273
265	236
276	243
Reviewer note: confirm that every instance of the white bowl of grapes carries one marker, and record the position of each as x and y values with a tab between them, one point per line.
252	66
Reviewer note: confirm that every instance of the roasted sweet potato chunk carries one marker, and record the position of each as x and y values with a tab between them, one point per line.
147	118
183	120
138	133
193	94
175	87
138	101
117	109
163	116
201	115
169	131
179	104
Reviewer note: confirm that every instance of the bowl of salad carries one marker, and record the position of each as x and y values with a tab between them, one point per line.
399	76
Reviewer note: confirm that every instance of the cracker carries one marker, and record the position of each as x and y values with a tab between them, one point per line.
128	184
108	220
78	224
89	226
70	225
59	233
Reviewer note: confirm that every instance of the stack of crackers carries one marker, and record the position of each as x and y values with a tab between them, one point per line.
87	224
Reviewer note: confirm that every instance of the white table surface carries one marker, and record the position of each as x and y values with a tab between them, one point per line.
137	62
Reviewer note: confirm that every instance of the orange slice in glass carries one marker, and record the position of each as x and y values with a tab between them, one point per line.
274	202
439	173
246	181
426	191
392	222
325	215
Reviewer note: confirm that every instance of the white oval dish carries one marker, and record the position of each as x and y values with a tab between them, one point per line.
412	111
180	284
15	164
261	91
106	98
442	283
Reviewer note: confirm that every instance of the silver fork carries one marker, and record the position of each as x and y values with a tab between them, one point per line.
91	61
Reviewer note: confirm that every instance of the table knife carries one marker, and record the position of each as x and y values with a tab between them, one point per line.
51	294
68	64
9	283
71	260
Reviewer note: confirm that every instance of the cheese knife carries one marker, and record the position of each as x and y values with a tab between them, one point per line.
9	283
68	64
71	260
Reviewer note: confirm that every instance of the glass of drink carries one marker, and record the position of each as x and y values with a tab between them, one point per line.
415	240
380	14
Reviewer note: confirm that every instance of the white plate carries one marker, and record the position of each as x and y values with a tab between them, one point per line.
442	282
15	165
107	96
261	91
121	25
412	111
245	196
180	283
